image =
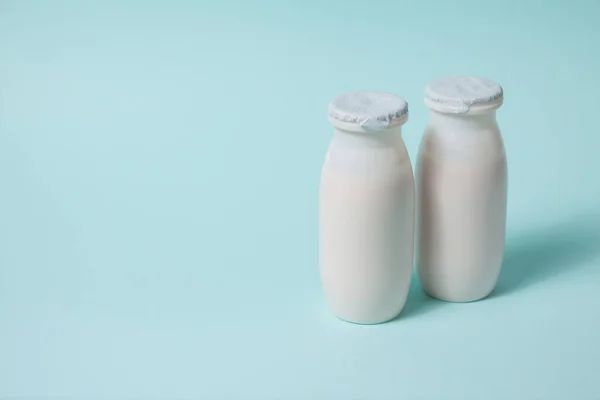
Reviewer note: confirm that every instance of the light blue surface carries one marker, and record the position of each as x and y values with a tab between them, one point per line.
159	171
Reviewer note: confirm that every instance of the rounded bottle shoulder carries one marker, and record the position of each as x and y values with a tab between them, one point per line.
372	162
484	144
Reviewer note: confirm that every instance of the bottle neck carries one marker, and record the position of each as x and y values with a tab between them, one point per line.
384	138
379	154
464	122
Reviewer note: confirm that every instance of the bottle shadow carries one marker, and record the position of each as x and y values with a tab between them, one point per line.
418	302
548	252
529	259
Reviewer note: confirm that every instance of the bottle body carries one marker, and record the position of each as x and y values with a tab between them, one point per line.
462	200
366	225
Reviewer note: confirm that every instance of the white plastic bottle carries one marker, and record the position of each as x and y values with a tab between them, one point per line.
461	190
366	215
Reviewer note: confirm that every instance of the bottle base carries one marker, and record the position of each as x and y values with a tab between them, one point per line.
367	319
457	298
366	322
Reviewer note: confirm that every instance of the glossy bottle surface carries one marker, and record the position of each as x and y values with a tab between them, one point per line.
366	227
462	195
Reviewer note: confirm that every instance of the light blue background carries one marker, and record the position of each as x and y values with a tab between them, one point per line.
159	171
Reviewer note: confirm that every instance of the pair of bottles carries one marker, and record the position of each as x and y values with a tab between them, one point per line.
370	213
